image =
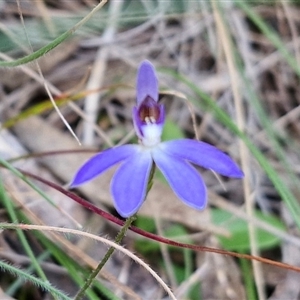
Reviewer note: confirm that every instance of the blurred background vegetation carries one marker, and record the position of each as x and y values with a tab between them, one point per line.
229	75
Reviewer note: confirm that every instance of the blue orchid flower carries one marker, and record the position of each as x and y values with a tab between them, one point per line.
173	158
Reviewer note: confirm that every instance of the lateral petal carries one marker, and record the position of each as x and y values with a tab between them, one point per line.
184	180
204	155
129	184
101	162
147	84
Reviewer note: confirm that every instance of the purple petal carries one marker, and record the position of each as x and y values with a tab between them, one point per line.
129	184
204	155
101	162
147	84
183	179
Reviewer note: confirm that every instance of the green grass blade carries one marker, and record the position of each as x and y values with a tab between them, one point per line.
28	277
37	54
11	211
287	196
17	283
256	103
25	179
270	34
44	50
247	273
76	271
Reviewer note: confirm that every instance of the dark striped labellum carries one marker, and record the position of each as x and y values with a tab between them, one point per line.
149	111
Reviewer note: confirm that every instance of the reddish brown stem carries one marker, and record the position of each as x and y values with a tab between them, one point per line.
153	236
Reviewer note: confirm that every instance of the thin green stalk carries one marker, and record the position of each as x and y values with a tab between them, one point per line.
248	279
106	257
111	250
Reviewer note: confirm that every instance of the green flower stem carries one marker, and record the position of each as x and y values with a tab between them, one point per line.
106	257
111	250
